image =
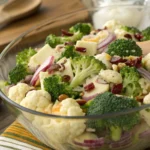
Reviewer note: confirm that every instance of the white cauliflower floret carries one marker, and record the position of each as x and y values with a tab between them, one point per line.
120	33
111	76
18	92
65	129
146	61
147	99
39	100
112	25
145	85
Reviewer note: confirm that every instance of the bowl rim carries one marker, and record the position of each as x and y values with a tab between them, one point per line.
21	108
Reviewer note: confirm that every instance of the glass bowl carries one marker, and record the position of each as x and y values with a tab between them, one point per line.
72	132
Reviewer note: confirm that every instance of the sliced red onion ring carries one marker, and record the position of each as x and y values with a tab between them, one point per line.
125	141
144	134
97	143
46	64
90	97
111	37
101	81
144	73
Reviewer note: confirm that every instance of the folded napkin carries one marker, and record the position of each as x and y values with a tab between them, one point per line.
18	138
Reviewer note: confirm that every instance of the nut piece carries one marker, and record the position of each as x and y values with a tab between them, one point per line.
62	97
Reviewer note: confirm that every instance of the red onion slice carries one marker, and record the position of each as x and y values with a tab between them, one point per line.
97	143
46	64
111	37
90	97
101	81
144	73
144	134
125	141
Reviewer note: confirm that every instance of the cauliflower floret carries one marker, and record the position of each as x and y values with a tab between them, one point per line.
146	61
112	25
39	100
105	58
18	92
111	76
65	129
145	85
120	33
68	107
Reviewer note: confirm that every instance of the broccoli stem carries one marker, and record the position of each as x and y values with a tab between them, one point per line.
115	133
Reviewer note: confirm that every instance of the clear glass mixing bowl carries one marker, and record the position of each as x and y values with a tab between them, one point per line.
71	132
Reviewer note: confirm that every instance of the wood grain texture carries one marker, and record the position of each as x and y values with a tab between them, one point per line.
50	9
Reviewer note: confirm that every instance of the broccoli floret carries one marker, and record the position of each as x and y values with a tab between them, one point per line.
55	86
69	52
54	40
17	74
23	57
131	86
132	30
78	30
146	34
123	47
84	28
109	103
83	67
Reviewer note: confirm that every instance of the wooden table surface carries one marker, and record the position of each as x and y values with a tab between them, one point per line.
49	9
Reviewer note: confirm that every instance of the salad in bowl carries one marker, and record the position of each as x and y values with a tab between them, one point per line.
86	72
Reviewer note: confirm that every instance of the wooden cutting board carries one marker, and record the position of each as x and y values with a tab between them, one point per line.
50	9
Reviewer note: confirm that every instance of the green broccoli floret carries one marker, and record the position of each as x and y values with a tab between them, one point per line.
109	103
55	86
17	74
123	47
146	34
23	57
132	30
131	86
69	52
78	30
54	40
83	67
84	28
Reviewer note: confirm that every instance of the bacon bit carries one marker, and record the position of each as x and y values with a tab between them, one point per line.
54	67
89	87
138	36
128	36
66	78
117	88
81	49
81	101
66	33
